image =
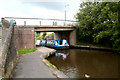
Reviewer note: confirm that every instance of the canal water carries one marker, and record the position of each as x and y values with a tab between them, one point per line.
76	63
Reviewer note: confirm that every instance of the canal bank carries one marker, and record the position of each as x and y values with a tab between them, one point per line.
92	48
32	65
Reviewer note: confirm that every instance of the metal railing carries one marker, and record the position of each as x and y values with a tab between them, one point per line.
44	21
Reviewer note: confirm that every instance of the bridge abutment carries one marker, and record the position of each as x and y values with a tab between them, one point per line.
57	36
73	37
25	37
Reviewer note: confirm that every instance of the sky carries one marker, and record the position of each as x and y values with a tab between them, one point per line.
49	9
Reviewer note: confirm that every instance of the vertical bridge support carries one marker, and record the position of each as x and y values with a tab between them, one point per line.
73	37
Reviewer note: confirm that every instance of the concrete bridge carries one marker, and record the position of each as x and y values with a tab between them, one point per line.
26	34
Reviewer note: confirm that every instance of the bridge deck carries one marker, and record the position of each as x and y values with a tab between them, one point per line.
48	28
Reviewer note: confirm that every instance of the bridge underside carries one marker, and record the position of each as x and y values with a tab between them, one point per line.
52	29
48	28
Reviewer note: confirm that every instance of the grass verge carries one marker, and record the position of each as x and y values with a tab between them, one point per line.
0	36
25	51
49	64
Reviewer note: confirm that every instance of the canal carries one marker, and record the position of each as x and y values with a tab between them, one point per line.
76	63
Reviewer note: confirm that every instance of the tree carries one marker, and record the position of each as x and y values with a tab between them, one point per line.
98	23
86	22
38	36
44	34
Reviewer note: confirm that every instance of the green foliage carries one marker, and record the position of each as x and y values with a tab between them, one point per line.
44	34
52	34
98	23
117	44
91	44
38	36
24	51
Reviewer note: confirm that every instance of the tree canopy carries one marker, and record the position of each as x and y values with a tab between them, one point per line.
98	22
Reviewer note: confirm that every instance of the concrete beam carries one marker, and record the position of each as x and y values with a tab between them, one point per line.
45	26
53	29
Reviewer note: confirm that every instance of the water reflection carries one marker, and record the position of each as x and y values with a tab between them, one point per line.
87	63
63	55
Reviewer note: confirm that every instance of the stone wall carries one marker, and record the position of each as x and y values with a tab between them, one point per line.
9	51
0	57
0	32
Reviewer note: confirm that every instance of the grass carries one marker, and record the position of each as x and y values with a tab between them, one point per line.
50	65
0	35
25	51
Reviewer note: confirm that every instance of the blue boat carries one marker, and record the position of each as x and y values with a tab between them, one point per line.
57	44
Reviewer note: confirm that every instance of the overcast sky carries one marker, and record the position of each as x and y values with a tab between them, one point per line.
54	9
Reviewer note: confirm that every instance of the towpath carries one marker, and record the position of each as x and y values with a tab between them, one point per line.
31	65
